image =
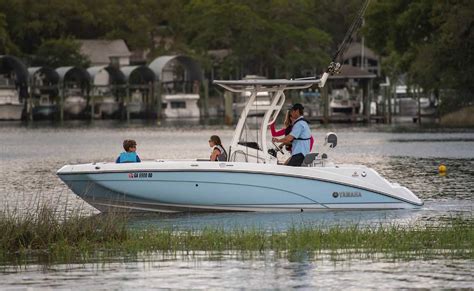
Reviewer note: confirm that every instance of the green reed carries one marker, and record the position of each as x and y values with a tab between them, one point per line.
54	238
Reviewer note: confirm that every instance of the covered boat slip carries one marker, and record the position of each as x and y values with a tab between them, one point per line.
13	87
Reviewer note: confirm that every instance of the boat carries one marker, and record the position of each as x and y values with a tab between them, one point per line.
258	107
43	88
106	106
10	106
405	104
251	180
181	105
312	103
343	103
136	106
74	103
13	88
45	108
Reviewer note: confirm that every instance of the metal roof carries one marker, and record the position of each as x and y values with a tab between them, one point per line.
350	72
67	72
50	73
115	73
10	63
192	67
146	73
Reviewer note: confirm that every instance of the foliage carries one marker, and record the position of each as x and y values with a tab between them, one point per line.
272	37
60	52
431	41
275	38
53	236
6	45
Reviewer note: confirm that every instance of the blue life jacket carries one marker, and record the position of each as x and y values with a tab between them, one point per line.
128	157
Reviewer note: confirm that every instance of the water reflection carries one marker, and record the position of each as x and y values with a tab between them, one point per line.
232	271
432	213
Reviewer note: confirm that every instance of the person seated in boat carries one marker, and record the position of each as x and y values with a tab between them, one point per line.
218	152
286	131
129	155
299	136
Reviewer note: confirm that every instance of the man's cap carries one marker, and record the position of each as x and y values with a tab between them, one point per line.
297	106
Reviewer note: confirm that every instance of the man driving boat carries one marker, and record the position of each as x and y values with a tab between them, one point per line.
299	136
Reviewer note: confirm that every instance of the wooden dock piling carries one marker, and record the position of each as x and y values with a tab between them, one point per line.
228	112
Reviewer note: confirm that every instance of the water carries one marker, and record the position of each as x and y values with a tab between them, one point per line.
30	156
230	271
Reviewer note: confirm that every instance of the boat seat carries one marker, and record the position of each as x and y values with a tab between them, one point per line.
309	159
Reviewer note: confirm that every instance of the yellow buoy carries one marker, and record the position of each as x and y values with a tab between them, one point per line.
442	169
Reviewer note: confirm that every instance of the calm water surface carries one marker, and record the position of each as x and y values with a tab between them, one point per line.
30	156
229	271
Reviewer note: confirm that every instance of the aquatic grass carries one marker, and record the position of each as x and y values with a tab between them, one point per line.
49	231
50	236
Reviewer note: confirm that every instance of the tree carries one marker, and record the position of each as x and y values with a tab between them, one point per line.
274	38
431	41
6	45
60	52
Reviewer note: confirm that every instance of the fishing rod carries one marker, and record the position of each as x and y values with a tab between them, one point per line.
335	67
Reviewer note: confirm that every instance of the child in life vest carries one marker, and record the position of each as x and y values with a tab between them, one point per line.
129	155
218	152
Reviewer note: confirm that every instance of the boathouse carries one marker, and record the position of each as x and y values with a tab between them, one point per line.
139	99
107	91
44	92
74	85
180	79
13	87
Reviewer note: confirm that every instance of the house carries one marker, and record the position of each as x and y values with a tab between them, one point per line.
363	58
106	52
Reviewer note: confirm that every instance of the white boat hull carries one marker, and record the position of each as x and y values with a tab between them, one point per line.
11	111
75	105
175	186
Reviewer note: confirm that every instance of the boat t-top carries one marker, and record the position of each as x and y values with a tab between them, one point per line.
252	179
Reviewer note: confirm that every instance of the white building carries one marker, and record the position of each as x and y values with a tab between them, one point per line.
106	52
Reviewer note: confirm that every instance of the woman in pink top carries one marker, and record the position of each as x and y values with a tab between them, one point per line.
286	131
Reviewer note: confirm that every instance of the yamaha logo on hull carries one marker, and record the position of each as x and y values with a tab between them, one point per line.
347	194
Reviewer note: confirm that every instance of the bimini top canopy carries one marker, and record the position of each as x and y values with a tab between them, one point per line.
49	73
193	70
116	75
66	73
138	74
